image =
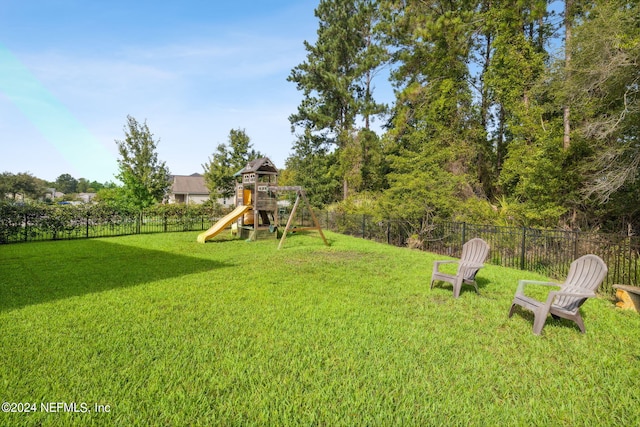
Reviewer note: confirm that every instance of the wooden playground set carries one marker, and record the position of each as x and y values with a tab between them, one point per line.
256	200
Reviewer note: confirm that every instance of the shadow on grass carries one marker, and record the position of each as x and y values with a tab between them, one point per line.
481	282
529	316
40	272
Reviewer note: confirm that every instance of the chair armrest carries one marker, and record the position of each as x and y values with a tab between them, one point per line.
445	262
436	264
523	283
537	282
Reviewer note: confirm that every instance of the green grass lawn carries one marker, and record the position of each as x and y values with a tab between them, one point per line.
161	330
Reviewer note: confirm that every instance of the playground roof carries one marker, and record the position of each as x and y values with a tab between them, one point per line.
262	165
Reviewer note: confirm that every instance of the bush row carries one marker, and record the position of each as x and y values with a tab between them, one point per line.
39	221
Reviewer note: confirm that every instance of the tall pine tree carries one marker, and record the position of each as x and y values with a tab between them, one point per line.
336	78
435	130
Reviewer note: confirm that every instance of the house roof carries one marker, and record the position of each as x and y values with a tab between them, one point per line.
192	184
262	165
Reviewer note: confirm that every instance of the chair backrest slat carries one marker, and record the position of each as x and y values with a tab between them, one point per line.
474	251
586	272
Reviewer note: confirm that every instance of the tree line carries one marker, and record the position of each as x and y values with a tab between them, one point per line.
24	184
145	178
518	112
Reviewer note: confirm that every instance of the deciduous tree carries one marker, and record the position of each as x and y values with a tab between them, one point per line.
604	84
23	184
313	166
65	183
146	179
228	159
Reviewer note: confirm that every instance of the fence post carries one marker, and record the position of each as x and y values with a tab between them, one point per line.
464	233
388	232
364	224
633	262
26	227
87	228
523	247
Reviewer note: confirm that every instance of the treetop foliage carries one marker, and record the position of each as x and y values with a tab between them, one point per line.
146	179
228	160
520	107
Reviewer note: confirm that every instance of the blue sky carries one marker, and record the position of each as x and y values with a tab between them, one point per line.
72	70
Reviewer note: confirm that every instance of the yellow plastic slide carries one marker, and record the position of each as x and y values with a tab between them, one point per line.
223	223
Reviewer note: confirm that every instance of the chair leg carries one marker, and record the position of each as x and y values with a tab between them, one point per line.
579	322
540	318
512	310
457	286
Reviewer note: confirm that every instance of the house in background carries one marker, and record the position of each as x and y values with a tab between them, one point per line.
52	194
188	189
86	197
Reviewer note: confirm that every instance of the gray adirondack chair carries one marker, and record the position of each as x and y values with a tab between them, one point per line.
474	253
585	275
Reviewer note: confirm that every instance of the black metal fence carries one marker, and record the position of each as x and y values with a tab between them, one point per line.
40	223
549	252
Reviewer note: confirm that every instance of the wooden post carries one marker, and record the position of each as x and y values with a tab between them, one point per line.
255	200
301	194
289	221
313	215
